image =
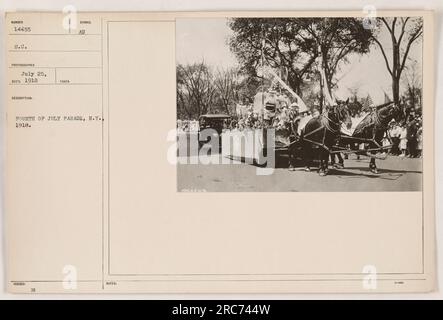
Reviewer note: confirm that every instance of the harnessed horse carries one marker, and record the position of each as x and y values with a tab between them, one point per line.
322	132
373	127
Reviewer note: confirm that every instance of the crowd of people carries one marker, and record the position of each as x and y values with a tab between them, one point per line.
407	137
282	119
187	125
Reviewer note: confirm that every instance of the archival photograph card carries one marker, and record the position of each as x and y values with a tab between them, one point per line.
220	152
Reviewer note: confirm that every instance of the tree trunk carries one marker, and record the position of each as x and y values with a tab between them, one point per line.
227	108
396	72
328	74
321	97
396	89
295	84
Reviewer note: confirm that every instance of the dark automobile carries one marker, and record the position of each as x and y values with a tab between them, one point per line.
213	121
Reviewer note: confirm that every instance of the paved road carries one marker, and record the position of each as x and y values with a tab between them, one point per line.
396	174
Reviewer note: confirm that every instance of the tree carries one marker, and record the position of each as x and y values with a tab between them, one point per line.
276	42
403	33
294	44
183	111
226	83
195	90
336	39
413	81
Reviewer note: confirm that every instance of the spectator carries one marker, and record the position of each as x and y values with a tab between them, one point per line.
233	124
385	142
395	137
411	135
403	141
419	142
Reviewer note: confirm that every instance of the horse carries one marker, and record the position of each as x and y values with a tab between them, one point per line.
373	127
322	132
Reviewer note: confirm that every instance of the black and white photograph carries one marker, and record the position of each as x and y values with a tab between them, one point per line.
223	151
286	104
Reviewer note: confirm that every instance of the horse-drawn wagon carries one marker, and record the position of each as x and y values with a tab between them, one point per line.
327	134
319	136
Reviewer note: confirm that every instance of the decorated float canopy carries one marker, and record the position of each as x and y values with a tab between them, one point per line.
269	102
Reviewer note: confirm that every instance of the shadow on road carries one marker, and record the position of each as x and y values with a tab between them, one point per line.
385	174
282	162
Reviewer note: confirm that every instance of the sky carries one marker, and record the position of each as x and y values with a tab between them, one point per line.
207	39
